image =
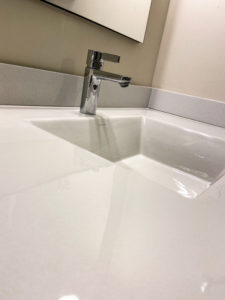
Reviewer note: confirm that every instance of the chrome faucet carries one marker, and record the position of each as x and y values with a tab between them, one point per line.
92	79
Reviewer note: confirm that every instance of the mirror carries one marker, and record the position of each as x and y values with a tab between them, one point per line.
127	17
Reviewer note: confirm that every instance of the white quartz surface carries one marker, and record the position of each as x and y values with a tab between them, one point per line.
74	225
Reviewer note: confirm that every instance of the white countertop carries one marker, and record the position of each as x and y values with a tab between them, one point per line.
73	223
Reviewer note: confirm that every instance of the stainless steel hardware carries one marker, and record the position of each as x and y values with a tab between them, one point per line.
94	75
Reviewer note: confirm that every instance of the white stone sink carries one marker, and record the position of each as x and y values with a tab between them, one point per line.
180	158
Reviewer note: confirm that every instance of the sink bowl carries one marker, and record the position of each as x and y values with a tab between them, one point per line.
183	159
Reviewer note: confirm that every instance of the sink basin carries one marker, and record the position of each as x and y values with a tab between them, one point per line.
176	157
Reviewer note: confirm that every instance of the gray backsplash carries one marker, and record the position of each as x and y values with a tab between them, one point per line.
187	106
28	86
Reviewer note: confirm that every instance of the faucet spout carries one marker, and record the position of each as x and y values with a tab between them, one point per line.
93	77
122	80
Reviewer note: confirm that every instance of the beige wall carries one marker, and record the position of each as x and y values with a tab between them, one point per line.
35	34
192	54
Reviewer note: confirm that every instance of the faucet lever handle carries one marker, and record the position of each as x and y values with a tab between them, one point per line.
95	59
111	57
